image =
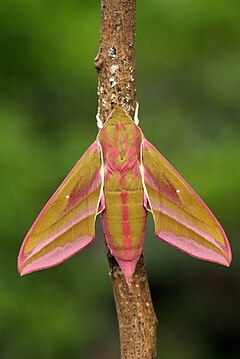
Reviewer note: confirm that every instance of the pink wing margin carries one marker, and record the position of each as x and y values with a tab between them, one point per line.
66	223
181	218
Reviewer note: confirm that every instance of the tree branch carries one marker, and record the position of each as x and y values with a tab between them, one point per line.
115	64
136	317
115	61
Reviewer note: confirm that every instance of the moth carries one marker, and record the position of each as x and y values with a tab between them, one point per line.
122	176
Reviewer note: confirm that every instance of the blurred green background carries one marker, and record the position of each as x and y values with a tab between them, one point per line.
188	81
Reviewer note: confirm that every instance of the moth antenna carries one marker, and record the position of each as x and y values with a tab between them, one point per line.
136	120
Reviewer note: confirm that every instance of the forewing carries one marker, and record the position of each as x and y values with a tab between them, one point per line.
66	223
181	218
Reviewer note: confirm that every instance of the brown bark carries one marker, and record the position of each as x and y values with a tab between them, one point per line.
136	317
115	61
116	68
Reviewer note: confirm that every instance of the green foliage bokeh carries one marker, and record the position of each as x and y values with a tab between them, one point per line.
188	82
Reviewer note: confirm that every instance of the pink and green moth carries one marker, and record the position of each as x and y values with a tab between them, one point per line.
122	176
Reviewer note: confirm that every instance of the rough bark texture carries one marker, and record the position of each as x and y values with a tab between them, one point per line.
115	61
115	64
136	317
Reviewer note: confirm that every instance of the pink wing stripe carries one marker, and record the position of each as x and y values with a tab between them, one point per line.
58	255
187	224
65	222
192	247
147	144
78	195
171	238
93	147
50	238
166	189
